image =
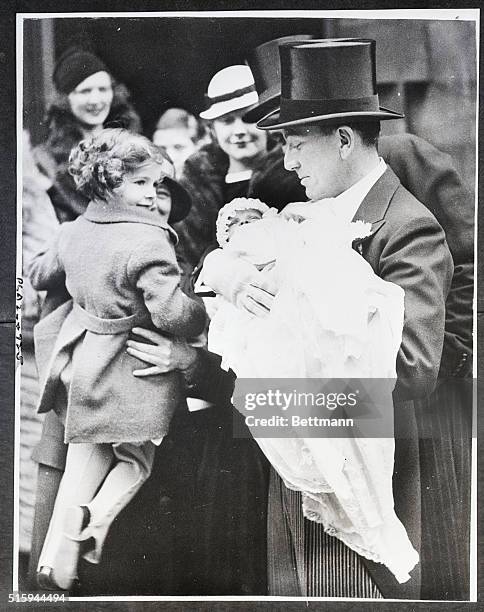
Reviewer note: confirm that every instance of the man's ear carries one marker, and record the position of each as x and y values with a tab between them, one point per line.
346	137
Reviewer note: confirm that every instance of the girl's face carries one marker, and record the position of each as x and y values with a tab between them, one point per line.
91	100
144	187
241	141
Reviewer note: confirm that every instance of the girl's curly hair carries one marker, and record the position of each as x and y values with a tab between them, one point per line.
99	164
64	131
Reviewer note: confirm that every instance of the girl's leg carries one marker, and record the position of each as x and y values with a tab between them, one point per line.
86	468
48	482
50	454
133	467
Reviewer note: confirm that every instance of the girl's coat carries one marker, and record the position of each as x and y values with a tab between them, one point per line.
121	271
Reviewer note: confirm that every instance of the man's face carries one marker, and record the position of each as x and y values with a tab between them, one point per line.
316	160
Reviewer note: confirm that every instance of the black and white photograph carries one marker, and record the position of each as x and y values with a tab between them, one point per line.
245	270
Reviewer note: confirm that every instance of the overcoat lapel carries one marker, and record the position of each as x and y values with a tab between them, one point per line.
373	210
374	206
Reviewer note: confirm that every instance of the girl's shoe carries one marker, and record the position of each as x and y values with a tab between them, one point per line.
65	563
45	579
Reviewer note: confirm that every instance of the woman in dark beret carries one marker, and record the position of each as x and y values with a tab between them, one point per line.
87	98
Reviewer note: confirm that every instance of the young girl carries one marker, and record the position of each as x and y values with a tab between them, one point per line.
331	318
119	266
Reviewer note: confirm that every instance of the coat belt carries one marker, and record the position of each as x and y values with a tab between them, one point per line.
97	325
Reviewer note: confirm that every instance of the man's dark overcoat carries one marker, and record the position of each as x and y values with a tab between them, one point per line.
408	247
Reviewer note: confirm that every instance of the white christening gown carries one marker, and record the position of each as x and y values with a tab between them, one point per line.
332	318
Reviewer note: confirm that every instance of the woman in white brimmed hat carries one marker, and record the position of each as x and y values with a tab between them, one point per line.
221	170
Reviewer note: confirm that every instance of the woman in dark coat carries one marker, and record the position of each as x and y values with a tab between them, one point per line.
87	98
226	168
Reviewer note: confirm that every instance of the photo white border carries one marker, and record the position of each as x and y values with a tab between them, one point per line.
369	14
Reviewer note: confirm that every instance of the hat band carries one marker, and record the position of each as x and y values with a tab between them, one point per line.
229	96
292	110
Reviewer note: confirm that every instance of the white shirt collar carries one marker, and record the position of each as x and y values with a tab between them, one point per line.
347	203
235	177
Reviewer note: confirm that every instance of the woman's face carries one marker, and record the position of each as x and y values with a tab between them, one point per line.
91	100
241	141
163	200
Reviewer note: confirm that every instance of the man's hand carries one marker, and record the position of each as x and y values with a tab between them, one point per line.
239	282
164	355
257	297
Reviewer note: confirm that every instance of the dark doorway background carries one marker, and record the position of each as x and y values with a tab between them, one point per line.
425	68
169	61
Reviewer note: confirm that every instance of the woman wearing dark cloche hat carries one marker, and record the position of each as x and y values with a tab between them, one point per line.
87	98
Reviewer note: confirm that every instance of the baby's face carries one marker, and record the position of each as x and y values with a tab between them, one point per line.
242	217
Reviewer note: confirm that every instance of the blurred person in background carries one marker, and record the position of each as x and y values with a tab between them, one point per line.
38	224
231	474
87	98
180	134
221	170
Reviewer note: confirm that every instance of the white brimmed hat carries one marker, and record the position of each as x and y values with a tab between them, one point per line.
231	89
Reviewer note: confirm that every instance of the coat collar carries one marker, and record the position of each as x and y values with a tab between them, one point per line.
100	212
374	206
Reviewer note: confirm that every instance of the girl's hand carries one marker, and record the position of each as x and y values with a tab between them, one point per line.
164	355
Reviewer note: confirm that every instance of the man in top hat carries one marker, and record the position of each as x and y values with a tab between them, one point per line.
330	115
444	418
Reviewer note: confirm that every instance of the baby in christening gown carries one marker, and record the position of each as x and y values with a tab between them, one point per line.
331	318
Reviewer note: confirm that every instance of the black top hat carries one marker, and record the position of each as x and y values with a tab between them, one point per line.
327	81
265	66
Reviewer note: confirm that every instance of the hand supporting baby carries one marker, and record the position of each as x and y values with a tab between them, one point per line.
239	271
240	282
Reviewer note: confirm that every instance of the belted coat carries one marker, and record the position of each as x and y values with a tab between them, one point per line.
120	269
